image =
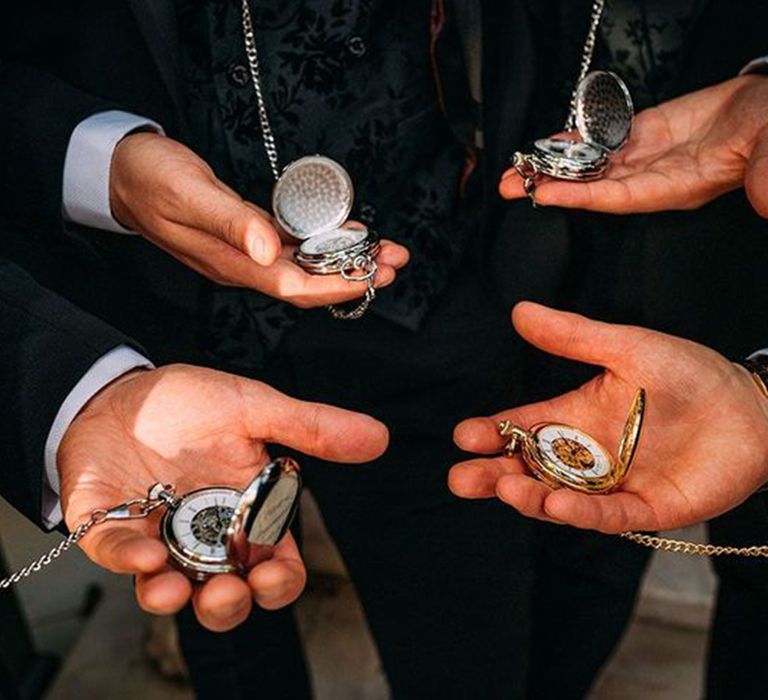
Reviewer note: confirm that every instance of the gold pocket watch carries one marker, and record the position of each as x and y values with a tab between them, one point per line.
563	456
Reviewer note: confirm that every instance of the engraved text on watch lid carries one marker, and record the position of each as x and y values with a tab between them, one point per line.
265	511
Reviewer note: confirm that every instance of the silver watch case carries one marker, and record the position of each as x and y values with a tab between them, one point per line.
312	201
604	113
263	515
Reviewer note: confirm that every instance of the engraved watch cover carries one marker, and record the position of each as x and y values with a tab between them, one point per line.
604	110
265	512
313	195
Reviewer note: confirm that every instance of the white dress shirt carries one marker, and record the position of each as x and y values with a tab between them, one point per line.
106	369
85	192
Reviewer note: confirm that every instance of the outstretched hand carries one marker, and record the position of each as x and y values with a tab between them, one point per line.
680	155
193	428
703	449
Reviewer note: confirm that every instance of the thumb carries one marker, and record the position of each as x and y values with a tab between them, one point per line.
756	176
215	209
333	434
572	336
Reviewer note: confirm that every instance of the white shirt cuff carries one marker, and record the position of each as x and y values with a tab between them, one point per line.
105	370
85	192
759	65
759	353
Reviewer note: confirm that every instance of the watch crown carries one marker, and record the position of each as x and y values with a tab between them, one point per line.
515	434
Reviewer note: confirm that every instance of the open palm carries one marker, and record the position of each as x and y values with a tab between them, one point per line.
193	428
680	155
704	445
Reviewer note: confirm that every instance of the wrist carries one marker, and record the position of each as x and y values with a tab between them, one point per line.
121	179
107	393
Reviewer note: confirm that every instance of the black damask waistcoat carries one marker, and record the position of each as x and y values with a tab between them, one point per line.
353	80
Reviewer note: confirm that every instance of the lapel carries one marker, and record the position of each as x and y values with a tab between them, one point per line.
158	25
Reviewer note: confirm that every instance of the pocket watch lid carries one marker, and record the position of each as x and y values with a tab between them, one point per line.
604	110
313	194
631	435
265	510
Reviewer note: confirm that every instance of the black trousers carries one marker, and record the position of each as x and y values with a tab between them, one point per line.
464	598
737	667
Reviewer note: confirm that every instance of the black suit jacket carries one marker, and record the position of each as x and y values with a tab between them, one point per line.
46	346
60	63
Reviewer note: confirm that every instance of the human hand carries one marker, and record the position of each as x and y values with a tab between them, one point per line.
161	189
680	155
194	427
703	448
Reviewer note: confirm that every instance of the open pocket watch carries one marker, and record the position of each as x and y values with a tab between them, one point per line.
312	200
214	530
560	455
602	114
221	529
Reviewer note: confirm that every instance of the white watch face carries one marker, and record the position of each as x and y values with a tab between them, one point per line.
573	150
333	241
574	452
200	523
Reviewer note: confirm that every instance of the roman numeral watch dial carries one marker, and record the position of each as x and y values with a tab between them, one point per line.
563	456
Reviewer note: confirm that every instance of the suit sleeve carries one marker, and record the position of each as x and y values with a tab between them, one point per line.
46	347
38	113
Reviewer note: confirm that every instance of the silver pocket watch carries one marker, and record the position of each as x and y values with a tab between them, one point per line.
602	114
312	200
222	530
209	531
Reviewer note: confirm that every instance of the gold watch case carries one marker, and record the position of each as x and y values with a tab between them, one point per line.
563	456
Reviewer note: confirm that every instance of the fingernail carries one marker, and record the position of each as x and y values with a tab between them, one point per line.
257	250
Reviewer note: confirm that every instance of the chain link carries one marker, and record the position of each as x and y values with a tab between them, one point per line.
526	169
367	266
254	66
270	147
665	544
586	59
50	557
135	509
